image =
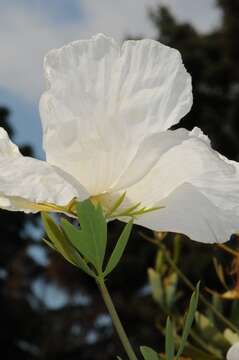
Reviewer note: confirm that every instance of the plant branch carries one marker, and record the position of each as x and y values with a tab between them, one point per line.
115	319
190	285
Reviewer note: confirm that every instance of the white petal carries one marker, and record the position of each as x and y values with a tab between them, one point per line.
222	187
233	352
214	179
147	156
7	148
104	100
24	180
187	211
188	158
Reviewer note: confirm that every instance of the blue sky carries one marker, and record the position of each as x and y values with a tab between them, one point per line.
24	118
28	29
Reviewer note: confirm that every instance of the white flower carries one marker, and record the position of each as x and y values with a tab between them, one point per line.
233	352
105	119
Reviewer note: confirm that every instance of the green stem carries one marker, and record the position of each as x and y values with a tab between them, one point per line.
191	286
115	319
202	298
204	345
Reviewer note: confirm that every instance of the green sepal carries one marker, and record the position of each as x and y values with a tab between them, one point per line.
119	248
116	204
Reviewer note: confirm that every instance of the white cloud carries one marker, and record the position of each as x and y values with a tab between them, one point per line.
27	34
203	14
119	17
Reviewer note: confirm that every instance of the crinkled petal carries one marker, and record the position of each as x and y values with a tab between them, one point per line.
7	148
185	161
215	181
187	211
25	181
147	156
104	100
223	187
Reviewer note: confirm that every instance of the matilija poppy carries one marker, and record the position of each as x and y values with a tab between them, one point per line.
106	117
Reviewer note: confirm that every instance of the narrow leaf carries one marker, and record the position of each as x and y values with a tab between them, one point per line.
169	340
189	320
148	353
57	238
119	248
49	243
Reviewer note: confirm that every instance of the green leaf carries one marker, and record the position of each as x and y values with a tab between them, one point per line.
169	340
57	238
90	240
148	353
119	248
75	237
49	243
93	228
189	320
62	245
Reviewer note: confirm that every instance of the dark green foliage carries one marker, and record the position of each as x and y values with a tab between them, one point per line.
212	60
14	308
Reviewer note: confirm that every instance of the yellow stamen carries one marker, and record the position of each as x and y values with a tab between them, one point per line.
96	199
50	207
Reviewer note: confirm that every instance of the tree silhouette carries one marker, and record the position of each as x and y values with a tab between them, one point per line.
14	240
212	60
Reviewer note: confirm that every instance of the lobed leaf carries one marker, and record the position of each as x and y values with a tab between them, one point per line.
91	238
93	230
59	242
